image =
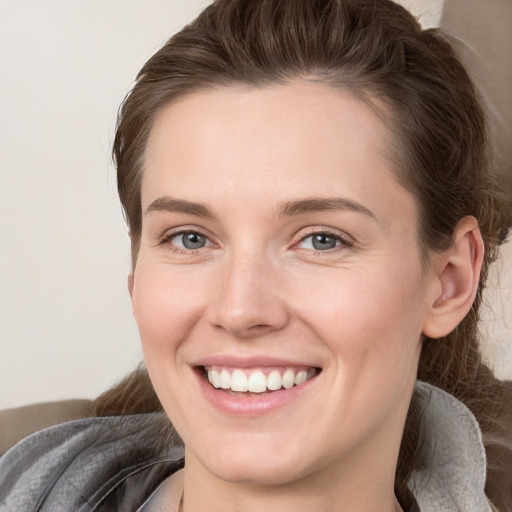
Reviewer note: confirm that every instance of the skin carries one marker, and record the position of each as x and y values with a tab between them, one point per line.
258	287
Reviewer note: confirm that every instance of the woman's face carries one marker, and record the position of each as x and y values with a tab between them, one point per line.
278	250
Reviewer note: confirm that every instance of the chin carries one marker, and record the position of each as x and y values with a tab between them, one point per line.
256	472
260	462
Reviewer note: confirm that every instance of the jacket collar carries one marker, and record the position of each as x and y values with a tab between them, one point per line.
454	473
117	462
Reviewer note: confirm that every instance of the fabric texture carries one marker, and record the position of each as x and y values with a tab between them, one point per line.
20	422
454	479
116	463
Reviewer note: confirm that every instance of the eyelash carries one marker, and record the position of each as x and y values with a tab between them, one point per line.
344	241
167	237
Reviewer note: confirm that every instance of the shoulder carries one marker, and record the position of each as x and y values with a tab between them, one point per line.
81	464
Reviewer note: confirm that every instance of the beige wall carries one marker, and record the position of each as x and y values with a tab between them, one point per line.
67	329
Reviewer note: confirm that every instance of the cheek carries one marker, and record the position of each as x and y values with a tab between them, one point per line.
165	308
375	338
372	321
369	301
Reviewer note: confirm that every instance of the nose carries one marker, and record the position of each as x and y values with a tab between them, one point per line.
250	301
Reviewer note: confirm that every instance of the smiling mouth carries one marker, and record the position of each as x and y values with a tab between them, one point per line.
257	381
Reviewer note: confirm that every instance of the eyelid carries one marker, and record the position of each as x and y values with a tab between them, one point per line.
346	240
343	238
169	234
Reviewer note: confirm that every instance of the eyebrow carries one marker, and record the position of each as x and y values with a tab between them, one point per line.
285	209
169	204
302	206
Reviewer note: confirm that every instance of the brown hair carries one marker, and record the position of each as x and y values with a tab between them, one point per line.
412	77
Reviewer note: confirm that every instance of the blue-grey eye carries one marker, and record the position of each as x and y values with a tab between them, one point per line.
323	242
320	242
190	240
193	240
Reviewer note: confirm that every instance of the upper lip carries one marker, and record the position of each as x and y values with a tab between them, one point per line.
249	361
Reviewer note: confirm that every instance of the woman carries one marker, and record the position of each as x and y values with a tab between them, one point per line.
308	192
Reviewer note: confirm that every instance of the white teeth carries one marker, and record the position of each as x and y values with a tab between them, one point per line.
239	381
214	378
274	381
288	379
225	379
257	382
301	377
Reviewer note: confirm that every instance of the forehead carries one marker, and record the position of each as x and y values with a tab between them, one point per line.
266	143
328	119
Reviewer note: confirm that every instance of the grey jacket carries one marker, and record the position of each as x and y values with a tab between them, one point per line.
115	463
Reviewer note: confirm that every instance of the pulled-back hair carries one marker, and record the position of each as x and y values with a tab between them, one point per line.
438	141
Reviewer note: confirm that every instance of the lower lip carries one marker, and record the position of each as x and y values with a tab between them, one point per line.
253	405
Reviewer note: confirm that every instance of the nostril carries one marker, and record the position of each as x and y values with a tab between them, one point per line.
245	330
259	327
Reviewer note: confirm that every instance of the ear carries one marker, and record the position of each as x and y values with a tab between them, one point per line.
130	284
456	275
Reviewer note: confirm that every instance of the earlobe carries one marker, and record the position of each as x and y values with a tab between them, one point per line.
457	275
